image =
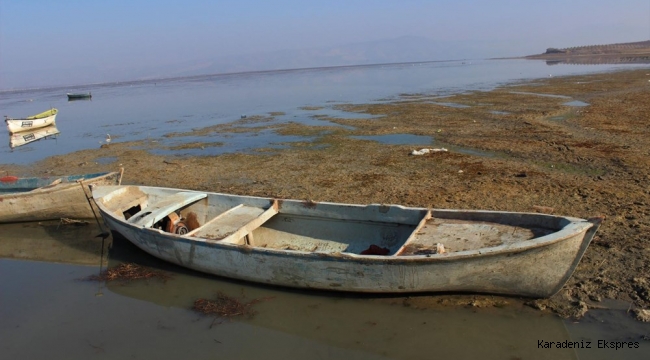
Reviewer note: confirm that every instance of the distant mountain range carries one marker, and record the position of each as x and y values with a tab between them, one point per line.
401	49
396	50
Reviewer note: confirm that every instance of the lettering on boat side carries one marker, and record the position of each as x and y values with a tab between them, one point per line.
601	344
26	124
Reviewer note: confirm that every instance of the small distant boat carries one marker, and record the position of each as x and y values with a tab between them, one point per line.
345	247
43	119
50	198
79	96
26	137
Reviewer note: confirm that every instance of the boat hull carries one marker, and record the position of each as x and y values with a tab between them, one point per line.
20	125
72	97
66	197
538	268
509	273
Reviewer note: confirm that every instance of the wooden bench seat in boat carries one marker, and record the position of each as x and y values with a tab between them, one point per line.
159	210
235	224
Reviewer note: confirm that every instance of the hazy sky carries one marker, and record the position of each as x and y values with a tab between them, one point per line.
49	34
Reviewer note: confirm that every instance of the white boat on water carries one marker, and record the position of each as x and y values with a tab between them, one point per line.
343	247
43	119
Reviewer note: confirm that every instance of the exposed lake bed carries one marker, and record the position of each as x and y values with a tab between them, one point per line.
521	151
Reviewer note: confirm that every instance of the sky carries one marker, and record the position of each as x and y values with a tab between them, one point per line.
37	36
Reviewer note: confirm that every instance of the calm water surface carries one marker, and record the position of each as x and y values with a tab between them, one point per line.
48	310
149	110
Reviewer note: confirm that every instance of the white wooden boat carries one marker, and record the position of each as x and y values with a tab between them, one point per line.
26	137
50	198
31	122
336	246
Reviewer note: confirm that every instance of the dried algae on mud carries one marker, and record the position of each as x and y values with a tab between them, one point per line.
222	306
129	272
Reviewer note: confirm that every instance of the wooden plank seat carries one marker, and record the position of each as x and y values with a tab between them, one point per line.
235	224
159	210
414	235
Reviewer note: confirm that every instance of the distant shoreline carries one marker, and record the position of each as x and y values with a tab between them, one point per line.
621	53
269	71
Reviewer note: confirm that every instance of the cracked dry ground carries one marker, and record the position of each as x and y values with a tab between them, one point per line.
510	149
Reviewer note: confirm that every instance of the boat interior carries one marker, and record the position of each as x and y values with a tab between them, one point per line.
322	227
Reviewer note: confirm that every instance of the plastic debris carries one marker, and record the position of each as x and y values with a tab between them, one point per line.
440	249
426	151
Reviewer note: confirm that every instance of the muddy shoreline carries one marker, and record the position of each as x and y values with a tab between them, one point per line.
509	149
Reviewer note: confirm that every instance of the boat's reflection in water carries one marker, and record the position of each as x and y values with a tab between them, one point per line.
47	311
26	137
362	326
67	242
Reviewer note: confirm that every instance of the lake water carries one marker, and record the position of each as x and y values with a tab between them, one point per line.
48	310
149	110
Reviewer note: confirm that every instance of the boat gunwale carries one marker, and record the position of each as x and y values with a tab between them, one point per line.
517	247
40	116
57	187
8	119
575	226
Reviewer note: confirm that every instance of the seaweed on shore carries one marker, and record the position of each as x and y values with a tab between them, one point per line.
127	272
224	306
